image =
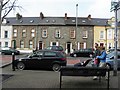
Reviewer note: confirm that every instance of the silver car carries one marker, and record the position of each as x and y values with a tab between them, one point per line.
110	59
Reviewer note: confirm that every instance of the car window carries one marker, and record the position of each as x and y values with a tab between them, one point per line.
40	54
50	54
49	48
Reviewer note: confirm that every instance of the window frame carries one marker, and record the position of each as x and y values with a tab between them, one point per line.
24	33
85	34
44	33
72	33
15	33
57	33
5	34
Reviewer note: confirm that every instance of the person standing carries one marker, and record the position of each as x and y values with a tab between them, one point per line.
96	53
102	58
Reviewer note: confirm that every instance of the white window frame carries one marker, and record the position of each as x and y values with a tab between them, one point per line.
44	33
72	33
85	34
24	33
102	35
57	33
5	34
15	33
6	44
33	33
21	44
109	34
31	44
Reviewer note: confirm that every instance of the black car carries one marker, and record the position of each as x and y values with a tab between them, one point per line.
42	59
82	53
9	51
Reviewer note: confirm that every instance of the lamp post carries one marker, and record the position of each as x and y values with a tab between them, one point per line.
115	7
1	1
76	20
76	16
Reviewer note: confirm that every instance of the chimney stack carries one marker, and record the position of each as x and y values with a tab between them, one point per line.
18	16
65	16
89	17
41	15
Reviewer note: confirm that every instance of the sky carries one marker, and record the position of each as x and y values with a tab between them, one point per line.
58	8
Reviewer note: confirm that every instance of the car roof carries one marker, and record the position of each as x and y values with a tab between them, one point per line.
44	50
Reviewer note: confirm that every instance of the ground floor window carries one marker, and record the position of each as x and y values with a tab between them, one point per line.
22	44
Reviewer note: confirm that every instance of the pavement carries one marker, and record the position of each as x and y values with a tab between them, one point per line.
114	80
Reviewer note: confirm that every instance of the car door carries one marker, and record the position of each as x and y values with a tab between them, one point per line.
119	60
48	58
34	60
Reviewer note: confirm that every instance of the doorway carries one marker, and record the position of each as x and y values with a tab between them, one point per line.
40	45
68	47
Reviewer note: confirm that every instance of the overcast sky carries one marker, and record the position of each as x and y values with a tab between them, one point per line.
57	8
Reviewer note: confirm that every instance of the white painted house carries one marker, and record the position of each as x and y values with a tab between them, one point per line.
6	36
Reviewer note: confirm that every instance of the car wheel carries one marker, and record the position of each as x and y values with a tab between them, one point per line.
75	55
21	66
56	67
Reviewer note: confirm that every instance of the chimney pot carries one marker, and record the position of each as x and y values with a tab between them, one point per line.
41	15
65	16
89	17
18	16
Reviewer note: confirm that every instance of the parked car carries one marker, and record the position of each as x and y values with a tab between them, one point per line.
82	53
110	59
56	48
42	59
112	49
9	51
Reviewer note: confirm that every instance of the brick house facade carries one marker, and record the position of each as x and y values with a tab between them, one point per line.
40	32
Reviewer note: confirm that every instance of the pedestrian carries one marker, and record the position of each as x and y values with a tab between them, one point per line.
96	53
95	60
102	58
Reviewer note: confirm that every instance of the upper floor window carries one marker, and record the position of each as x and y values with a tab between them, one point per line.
57	33
6	34
85	34
32	33
24	33
101	34
22	44
31	44
72	33
15	33
109	36
44	33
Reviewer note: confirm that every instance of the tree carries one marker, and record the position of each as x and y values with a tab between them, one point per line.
7	7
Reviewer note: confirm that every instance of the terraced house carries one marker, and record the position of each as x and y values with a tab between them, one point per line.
39	32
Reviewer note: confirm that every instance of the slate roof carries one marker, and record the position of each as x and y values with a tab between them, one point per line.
56	21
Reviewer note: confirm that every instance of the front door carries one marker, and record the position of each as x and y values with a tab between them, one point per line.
68	46
40	45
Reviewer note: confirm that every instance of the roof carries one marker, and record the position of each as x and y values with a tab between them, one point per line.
56	21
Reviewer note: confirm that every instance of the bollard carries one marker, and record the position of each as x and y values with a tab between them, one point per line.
13	64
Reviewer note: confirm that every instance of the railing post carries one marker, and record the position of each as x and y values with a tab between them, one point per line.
13	64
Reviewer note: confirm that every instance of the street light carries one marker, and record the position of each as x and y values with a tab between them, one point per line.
76	15
115	7
1	1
